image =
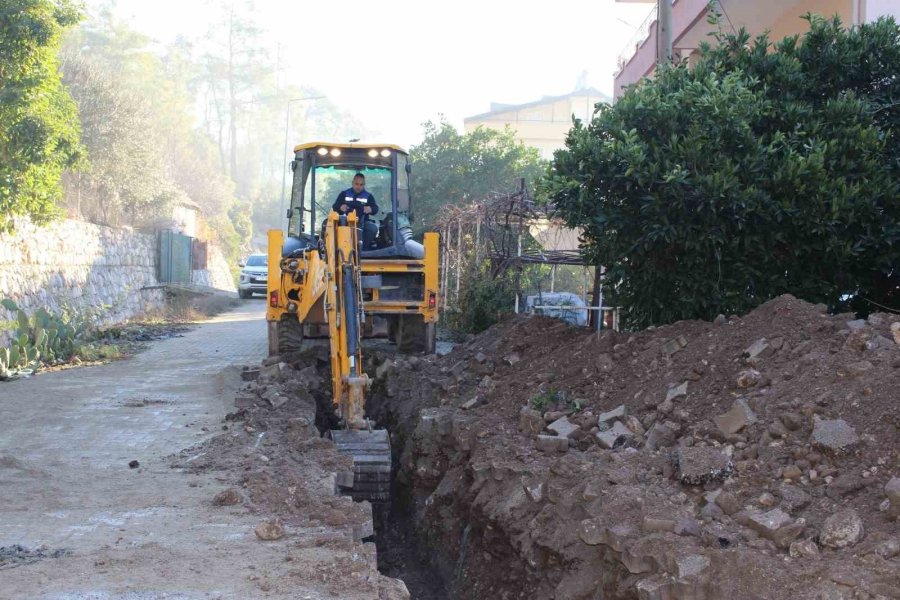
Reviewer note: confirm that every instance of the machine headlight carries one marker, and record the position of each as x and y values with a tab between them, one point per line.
373	153
385	153
335	152
323	151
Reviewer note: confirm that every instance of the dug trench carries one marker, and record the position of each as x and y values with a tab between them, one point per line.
748	458
751	457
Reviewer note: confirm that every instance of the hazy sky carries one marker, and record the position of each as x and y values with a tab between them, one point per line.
397	63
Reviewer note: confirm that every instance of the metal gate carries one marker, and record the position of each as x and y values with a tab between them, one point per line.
175	257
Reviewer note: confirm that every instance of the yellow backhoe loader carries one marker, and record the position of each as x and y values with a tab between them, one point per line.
338	277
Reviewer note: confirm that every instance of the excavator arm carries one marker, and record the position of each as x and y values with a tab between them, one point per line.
330	276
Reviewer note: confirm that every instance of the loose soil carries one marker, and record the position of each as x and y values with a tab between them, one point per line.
685	505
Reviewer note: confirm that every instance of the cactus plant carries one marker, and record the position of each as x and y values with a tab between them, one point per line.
43	335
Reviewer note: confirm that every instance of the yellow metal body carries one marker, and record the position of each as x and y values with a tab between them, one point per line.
324	287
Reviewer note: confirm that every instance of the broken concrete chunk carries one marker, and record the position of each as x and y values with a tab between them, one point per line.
470	403
657	525
895	332
677	392
699	465
564	428
674	345
690	566
591	532
856	324
739	416
512	359
748	378
728	502
760	348
634	424
842	529
661	435
767	523
688	527
615	436
835	435
616	413
803	549
551	444
530	420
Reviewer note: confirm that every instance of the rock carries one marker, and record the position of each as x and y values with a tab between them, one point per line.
553	415
564	428
512	359
480	358
879	342
835	436
793	498
269	530
229	497
895	332
661	435
888	549
536	489
133	464
699	465
657	525
739	416
766	499
720	320
665	407
777	526
803	549
760	348
842	529
551	444
748	378
856	324
892	491
691	566
728	502
634	424
615	436
674	345
591	532
616	413
688	527
791	472
855	369
844	485
470	403
792	421
677	392
530	421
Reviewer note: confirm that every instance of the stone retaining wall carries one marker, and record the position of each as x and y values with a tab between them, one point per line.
82	266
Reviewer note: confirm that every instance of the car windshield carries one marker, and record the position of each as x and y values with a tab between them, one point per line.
257	261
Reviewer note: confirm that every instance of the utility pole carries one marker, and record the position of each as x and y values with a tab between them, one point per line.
664	32
287	125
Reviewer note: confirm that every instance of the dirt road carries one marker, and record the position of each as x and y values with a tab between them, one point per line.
76	522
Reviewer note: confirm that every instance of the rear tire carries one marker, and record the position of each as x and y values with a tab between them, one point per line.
415	335
290	335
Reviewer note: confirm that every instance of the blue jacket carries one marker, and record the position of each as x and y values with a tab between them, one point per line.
356	202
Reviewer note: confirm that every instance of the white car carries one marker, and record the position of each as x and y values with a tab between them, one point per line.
253	275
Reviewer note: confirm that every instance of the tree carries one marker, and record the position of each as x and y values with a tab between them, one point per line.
450	167
38	123
765	169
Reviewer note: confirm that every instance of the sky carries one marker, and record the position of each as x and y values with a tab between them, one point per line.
395	64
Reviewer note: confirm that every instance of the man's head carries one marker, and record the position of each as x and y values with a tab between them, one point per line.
359	182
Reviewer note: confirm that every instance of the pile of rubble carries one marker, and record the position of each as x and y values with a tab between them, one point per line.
272	454
750	457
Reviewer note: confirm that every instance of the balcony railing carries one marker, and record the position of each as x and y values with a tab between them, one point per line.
639	37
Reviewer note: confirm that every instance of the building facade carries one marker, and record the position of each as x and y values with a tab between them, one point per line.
690	26
542	124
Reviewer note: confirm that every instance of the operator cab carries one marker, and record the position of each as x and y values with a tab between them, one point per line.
322	171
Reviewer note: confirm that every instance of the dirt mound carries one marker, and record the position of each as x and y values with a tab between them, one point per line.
745	458
272	453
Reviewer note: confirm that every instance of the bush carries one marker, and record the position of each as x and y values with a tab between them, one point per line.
761	171
482	302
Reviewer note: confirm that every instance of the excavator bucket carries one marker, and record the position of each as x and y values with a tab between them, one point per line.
371	452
